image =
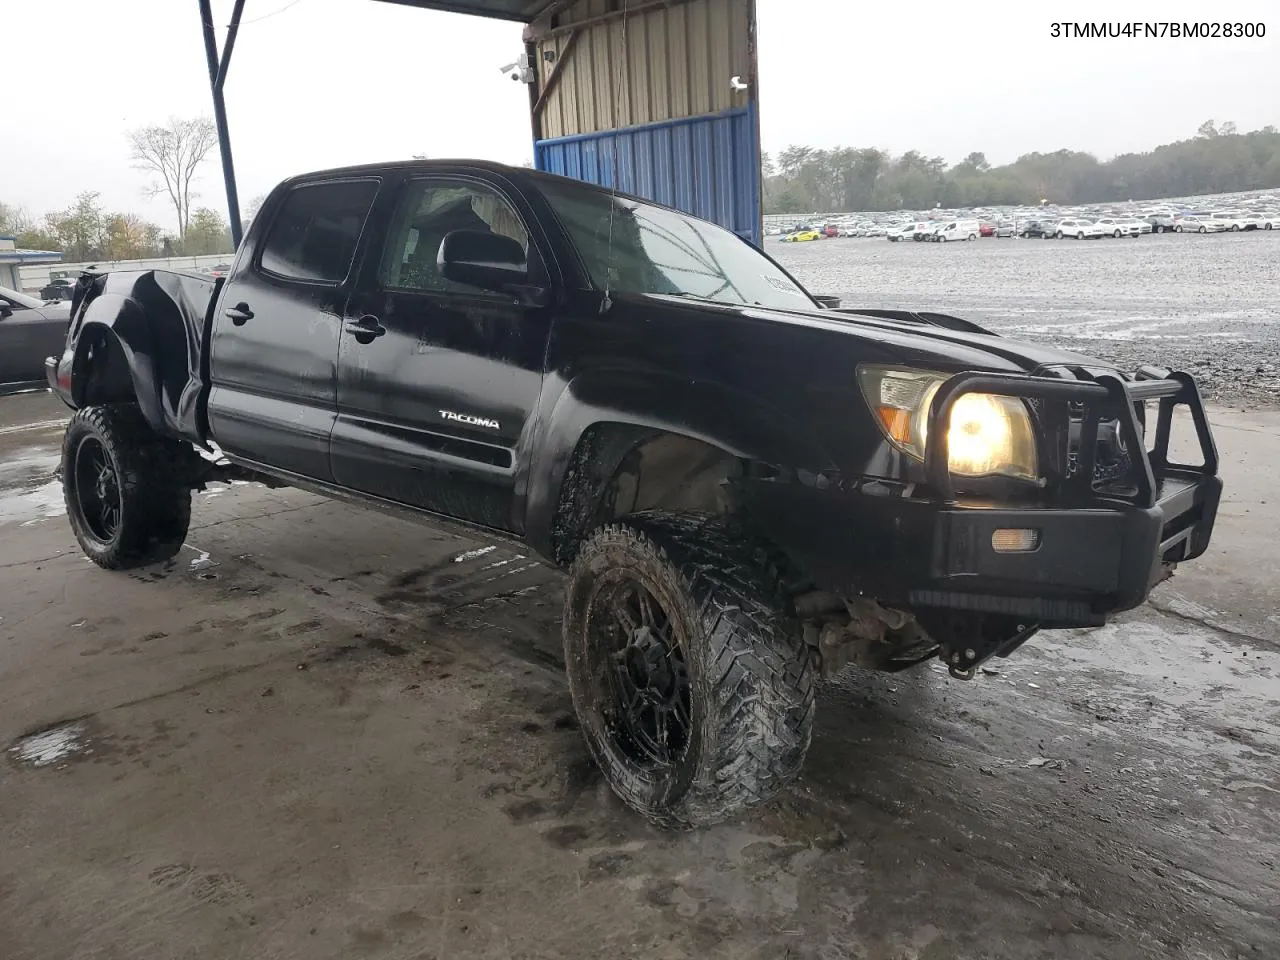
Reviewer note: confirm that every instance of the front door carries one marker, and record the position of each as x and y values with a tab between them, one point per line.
274	352
438	381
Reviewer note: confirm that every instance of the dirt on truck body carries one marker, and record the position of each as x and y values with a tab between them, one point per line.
747	486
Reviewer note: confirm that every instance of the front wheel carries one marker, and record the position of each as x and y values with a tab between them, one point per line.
1235	228
126	498
1204	230
1116	235
1178	229
1266	226
1157	229
692	685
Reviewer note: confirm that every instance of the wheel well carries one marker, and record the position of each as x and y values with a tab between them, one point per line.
100	372
617	469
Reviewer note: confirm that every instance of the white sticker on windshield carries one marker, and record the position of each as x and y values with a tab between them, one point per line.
779	284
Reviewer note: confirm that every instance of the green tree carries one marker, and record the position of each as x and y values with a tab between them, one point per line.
127	236
80	228
207	234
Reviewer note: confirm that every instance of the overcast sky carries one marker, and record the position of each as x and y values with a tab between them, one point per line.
317	83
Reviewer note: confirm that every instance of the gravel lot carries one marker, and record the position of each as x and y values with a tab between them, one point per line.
1209	305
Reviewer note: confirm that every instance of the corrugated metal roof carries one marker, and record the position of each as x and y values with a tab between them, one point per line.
520	10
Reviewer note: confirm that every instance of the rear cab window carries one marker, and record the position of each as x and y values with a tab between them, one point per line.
316	229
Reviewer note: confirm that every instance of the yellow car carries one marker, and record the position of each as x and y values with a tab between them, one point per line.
802	235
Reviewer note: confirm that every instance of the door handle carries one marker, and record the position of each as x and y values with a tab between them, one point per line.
365	329
240	314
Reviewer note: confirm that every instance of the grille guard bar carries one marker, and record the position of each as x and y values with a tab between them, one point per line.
1107	396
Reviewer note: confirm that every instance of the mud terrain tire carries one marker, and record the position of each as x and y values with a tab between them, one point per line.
748	678
110	455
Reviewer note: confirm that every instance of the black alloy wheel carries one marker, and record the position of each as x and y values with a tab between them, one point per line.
633	646
96	500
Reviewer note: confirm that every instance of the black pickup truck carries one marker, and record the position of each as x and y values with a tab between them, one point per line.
749	487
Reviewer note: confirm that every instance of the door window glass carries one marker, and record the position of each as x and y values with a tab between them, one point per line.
314	235
429	210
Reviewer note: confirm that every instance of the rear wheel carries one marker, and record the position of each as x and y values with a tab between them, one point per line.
1204	230
126	499
692	685
1235	227
973	236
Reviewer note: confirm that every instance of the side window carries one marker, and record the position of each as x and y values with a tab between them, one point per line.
313	236
428	211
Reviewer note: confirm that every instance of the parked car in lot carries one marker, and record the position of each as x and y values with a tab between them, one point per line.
924	230
1122	226
957	230
1079	229
1161	222
725	539
1006	228
803	235
30	330
905	232
1037	228
58	289
1235	221
986	229
1201	223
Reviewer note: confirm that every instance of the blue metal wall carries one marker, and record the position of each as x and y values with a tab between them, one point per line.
708	166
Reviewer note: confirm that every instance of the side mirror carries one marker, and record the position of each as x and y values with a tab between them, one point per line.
828	303
482	259
5	310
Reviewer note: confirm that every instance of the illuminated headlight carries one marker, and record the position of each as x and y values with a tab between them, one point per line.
989	435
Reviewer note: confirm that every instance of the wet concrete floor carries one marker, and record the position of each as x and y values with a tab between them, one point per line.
324	733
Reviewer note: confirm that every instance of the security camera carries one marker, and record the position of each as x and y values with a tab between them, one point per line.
519	70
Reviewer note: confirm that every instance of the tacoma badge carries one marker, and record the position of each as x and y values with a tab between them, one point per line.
470	420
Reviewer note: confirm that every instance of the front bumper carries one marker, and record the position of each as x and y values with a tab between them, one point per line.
1099	550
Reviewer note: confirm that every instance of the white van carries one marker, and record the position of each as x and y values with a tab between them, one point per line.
957	230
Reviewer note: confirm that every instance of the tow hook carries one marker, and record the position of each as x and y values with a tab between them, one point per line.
962	663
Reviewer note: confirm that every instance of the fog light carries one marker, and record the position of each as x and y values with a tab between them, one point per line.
1014	541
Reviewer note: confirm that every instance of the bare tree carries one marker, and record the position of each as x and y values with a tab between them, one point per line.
174	152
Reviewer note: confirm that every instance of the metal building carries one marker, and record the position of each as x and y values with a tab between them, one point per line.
655	97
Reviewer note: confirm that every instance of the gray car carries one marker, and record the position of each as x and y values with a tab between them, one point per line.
30	330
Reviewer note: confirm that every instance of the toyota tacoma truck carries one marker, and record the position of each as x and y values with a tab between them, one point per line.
747	486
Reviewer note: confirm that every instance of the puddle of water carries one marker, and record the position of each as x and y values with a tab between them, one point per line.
28	467
472	554
51	746
40	503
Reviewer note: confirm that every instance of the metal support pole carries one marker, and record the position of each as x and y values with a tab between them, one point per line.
217	78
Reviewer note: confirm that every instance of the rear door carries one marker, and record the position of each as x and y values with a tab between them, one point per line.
274	352
435	405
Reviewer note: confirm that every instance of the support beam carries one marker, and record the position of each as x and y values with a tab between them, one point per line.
553	77
217	78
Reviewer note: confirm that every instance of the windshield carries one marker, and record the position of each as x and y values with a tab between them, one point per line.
21	299
661	251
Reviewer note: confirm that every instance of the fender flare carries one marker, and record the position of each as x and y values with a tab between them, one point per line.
647	402
121	319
